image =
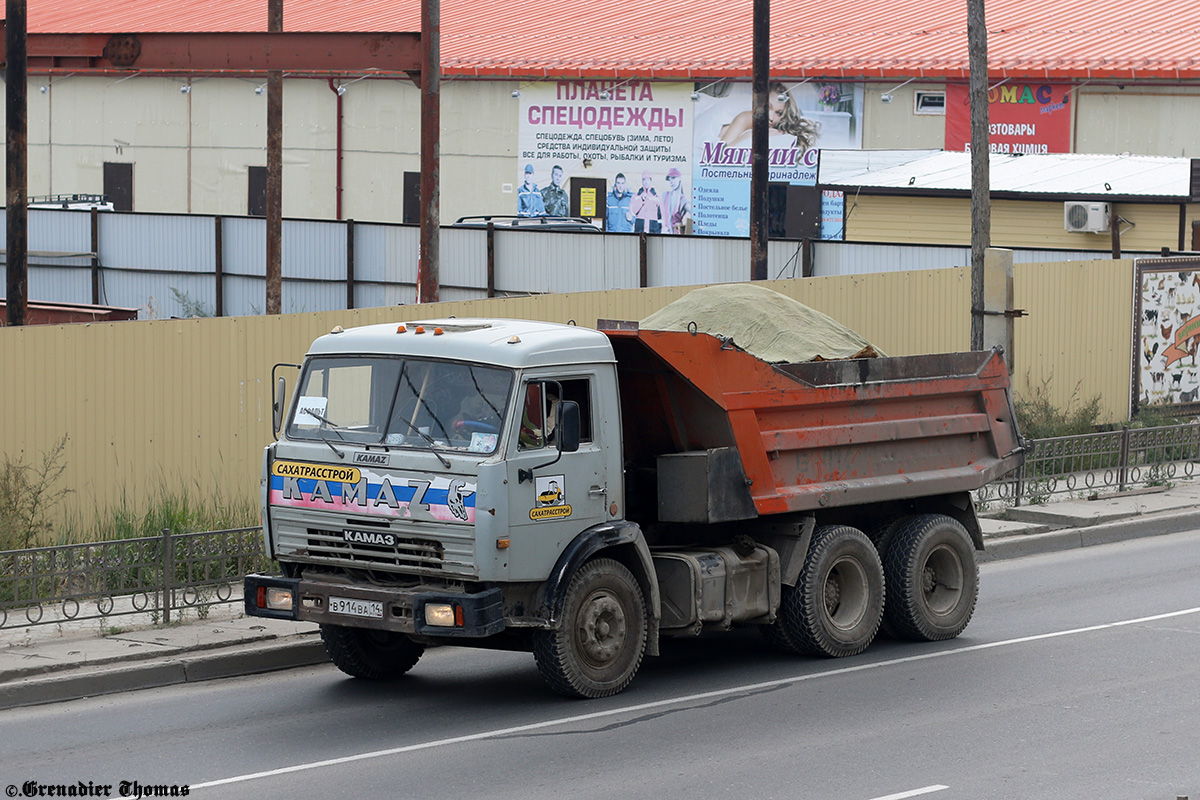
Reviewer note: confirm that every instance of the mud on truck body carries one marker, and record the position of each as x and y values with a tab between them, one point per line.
582	494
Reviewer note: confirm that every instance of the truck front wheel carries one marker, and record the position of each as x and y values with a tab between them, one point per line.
932	579
364	653
837	604
600	643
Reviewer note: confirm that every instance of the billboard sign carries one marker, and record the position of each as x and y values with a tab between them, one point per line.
1023	118
802	118
1167	333
631	134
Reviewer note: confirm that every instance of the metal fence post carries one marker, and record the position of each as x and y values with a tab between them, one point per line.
1019	485
1122	471
168	570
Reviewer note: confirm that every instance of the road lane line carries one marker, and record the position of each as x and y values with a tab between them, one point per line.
691	698
914	793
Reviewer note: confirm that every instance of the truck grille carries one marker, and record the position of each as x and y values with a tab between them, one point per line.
431	549
406	554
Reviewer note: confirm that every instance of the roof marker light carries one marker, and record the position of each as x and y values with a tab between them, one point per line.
420	329
401	328
337	329
437	331
514	339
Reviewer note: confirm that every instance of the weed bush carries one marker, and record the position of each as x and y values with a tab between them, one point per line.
1039	418
27	496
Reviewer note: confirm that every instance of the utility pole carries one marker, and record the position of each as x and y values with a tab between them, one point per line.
428	272
274	170
759	142
981	209
17	248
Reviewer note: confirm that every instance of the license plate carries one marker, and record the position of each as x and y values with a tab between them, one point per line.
356	608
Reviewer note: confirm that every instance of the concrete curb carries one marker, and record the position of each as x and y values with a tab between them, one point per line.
1137	527
299	651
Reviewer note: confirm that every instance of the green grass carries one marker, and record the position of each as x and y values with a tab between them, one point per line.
169	508
30	495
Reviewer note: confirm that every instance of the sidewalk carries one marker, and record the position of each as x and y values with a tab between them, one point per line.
52	663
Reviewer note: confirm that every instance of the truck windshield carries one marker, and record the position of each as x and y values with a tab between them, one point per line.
383	400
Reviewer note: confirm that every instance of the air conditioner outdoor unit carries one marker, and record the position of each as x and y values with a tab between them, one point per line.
1086	217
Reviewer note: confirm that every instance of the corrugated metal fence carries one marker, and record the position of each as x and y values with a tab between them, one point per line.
170	265
184	405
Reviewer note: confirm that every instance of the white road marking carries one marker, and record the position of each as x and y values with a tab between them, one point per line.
913	793
691	698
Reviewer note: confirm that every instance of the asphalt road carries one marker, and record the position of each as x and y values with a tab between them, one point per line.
1078	677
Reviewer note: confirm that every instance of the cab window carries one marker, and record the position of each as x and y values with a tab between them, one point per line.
540	404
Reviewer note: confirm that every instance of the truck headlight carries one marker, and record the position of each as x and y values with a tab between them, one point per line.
442	615
275	598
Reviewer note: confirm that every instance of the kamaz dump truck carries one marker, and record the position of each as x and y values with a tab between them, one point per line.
583	494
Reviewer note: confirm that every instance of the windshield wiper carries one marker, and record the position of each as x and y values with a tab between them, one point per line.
429	439
332	426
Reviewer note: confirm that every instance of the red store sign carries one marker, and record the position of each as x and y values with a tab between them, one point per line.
1022	118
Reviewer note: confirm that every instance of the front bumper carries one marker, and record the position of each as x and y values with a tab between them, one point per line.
476	614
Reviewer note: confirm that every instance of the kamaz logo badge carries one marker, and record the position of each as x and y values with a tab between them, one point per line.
370	537
376	459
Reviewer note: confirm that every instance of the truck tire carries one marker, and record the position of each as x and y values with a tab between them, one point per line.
882	535
602	637
836	606
371	654
776	633
932	579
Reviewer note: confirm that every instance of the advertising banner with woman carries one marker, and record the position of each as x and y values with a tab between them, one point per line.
802	117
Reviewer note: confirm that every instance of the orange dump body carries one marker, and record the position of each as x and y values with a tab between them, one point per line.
819	434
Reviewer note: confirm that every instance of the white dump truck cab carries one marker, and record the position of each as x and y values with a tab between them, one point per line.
431	481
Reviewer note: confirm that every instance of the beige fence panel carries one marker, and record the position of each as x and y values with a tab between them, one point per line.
185	405
1077	339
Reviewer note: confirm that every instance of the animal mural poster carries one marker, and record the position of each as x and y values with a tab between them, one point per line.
1167	332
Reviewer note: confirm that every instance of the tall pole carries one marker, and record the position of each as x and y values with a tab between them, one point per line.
17	167
428	274
981	209
759	175
274	170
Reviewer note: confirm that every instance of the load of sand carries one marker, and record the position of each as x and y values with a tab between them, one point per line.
764	323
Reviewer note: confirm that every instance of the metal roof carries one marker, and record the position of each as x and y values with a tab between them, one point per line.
1094	176
697	39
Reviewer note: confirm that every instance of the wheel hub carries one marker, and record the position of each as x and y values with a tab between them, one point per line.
845	594
929	580
833	594
602	628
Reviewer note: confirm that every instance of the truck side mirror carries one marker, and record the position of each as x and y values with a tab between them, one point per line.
567	426
277	405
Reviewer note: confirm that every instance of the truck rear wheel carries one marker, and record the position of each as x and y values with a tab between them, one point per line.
837	604
365	653
932	579
599	646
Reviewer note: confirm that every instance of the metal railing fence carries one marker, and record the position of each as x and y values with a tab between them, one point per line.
155	576
1092	464
176	572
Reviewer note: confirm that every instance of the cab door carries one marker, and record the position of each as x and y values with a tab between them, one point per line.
552	495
